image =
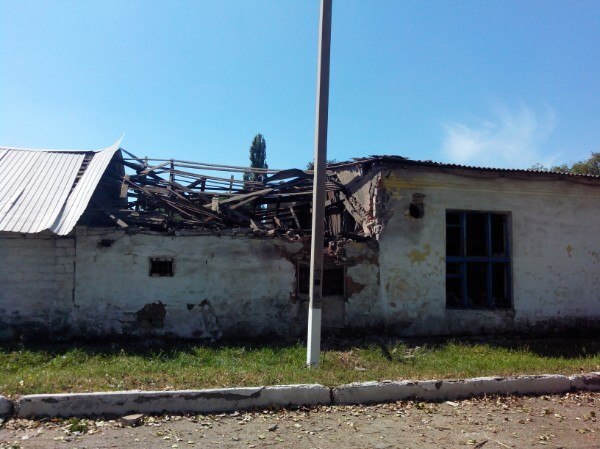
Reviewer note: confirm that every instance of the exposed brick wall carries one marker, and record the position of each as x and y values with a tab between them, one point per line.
65	283
36	283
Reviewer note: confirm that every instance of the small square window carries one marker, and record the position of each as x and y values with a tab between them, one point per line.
161	266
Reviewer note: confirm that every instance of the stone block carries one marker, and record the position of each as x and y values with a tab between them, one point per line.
185	401
67	267
443	390
70	251
372	392
586	382
132	420
6	407
65	243
521	385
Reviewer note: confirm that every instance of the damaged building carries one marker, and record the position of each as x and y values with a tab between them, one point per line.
105	244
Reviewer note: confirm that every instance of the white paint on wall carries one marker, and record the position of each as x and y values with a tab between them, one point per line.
238	286
36	275
222	286
555	264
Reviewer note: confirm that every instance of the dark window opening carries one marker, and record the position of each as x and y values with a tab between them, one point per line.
477	260
161	266
333	280
477	284
498	230
476	234
452	240
500	285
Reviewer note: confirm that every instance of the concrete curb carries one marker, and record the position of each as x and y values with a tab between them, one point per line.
6	407
589	381
371	392
119	403
184	401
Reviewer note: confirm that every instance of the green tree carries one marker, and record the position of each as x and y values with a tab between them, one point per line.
590	166
258	158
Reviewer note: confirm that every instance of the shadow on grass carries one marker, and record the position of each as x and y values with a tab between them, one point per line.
550	347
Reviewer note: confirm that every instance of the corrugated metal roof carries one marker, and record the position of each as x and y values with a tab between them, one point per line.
393	159
40	189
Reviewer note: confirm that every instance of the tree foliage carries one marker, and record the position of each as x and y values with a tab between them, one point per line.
590	166
258	158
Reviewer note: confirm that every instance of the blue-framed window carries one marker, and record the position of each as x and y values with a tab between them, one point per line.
478	272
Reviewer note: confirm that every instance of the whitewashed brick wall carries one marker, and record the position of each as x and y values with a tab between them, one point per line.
36	285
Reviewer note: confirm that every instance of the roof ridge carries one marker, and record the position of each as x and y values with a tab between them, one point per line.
49	150
403	160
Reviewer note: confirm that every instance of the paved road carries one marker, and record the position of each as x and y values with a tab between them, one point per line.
563	421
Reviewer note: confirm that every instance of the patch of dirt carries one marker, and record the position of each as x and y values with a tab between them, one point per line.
558	421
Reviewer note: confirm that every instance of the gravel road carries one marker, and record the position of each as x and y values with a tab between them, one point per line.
561	421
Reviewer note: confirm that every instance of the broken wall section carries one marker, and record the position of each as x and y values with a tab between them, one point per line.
350	283
365	197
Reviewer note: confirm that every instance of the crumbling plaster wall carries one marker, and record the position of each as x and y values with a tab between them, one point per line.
36	275
224	286
362	311
553	229
238	286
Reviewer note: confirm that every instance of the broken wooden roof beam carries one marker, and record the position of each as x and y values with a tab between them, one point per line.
171	193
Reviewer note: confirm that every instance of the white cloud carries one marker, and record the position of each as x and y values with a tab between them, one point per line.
511	139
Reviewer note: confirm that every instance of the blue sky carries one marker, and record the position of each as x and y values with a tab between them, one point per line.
497	83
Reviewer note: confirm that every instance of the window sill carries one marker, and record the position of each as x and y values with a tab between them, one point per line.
509	311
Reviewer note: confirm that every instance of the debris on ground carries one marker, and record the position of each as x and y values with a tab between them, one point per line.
568	420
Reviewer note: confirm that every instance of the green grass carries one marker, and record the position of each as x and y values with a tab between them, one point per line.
79	368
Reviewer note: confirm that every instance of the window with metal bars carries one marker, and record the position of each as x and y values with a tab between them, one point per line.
333	280
478	271
161	266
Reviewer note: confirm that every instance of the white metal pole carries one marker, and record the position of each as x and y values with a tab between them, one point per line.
313	352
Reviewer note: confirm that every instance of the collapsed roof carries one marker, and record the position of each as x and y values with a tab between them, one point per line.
169	194
53	190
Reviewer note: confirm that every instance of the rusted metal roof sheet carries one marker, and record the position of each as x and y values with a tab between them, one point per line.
41	190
